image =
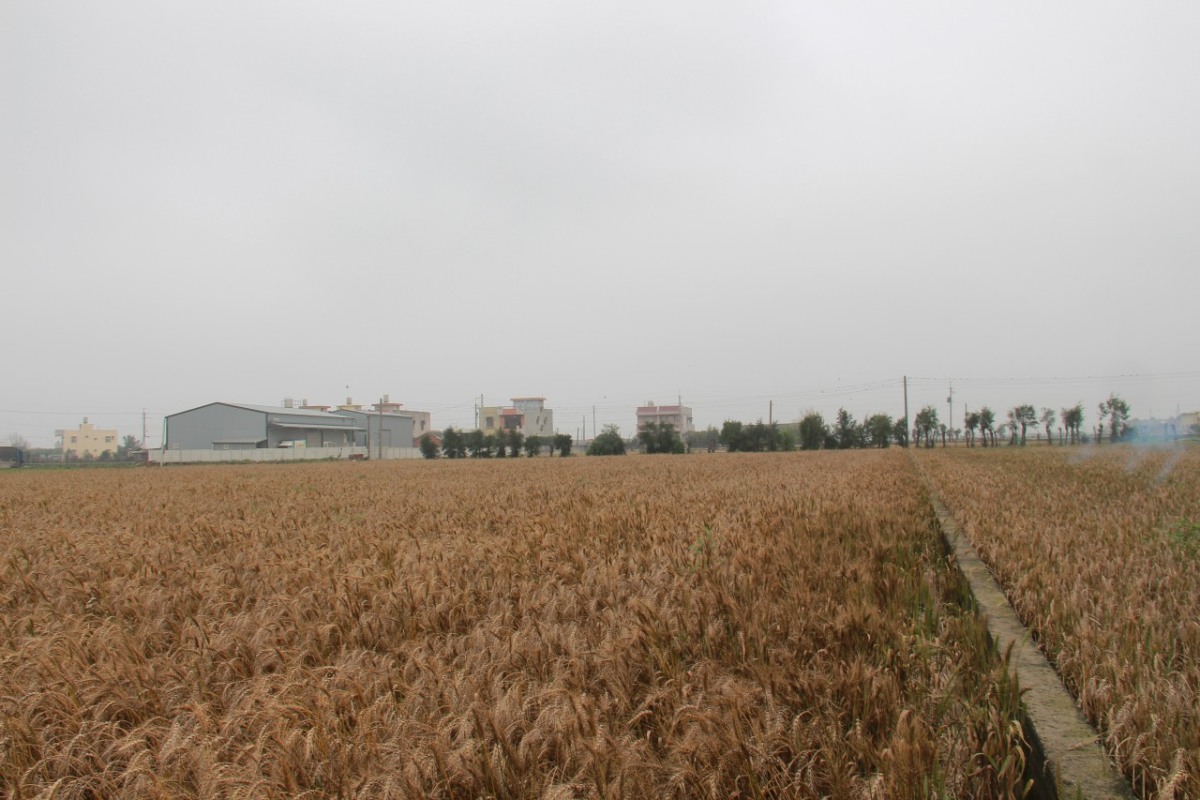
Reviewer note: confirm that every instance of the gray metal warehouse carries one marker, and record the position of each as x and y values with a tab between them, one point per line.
380	430
237	426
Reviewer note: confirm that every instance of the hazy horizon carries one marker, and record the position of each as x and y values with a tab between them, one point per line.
604	204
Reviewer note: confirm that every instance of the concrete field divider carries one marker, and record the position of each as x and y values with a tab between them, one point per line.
1068	760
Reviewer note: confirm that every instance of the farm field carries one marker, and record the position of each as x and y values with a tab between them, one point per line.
1098	549
774	625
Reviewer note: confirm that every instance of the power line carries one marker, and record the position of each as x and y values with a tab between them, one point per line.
79	413
1030	380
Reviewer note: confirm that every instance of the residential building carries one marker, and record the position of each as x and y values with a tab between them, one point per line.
238	426
88	441
679	416
528	415
422	422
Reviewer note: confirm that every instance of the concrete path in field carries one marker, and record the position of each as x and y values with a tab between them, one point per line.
1075	762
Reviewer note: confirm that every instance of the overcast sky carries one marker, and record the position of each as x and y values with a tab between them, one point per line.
602	203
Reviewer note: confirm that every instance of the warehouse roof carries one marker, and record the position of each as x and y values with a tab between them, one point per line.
297	412
345	412
291	412
315	426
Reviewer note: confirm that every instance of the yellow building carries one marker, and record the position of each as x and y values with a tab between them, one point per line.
87	440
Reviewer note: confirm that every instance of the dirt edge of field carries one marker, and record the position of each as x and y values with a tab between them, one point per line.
1068	760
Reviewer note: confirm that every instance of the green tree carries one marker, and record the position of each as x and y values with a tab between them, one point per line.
772	436
759	437
479	444
607	443
515	440
454	443
987	425
846	431
900	432
533	445
129	444
732	435
1019	419
878	430
562	443
707	439
1072	419
926	423
971	423
1117	412
1049	417
660	438
669	440
813	431
428	448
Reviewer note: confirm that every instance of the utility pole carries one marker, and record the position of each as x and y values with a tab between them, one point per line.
143	428
950	400
906	411
770	412
593	422
380	429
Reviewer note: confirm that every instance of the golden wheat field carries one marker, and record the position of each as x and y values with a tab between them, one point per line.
1097	549
781	625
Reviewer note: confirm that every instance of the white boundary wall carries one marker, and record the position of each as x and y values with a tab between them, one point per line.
271	454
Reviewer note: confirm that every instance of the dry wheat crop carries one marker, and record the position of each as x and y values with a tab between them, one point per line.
1097	550
729	626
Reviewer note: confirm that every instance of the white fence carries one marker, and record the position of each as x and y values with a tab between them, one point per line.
269	454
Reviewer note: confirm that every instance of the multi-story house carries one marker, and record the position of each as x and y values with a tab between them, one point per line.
88	441
528	415
679	416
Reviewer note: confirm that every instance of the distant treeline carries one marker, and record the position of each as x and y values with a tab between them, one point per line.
980	427
477	444
812	432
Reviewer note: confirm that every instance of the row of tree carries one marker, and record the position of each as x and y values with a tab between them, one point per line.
756	437
477	444
652	438
882	430
981	426
810	433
